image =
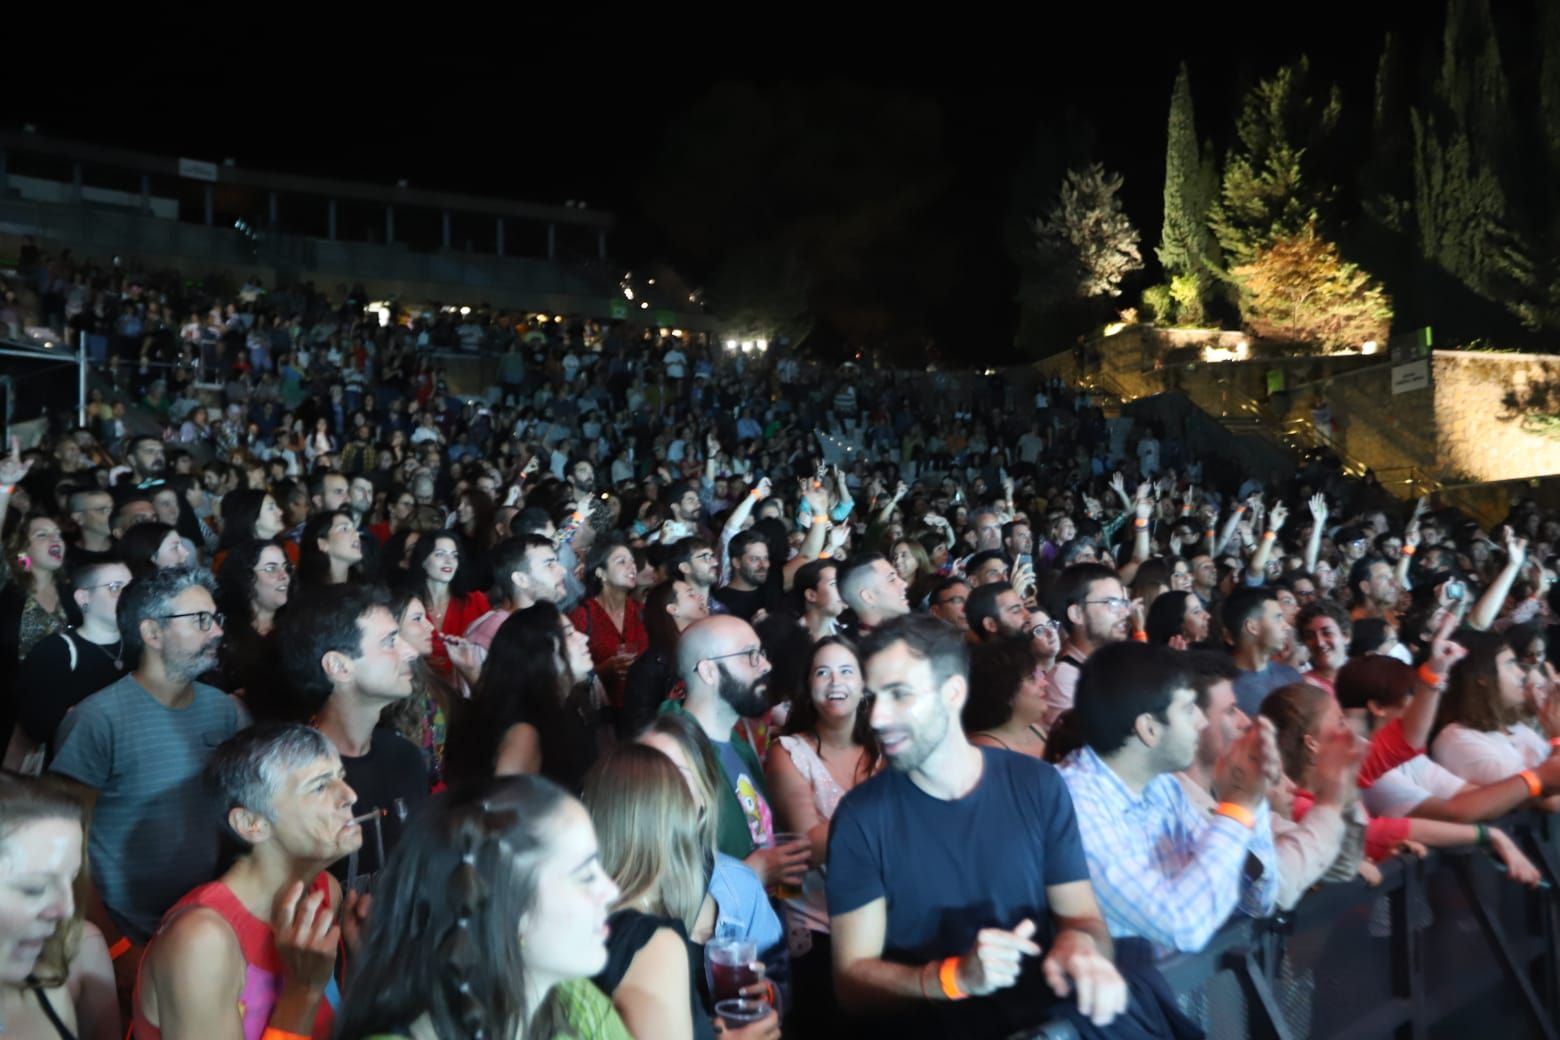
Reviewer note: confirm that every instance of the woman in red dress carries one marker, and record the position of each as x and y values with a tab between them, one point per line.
443	579
610	618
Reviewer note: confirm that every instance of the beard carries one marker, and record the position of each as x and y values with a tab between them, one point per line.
748	700
186	669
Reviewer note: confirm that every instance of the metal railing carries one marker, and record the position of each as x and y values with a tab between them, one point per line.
1445	946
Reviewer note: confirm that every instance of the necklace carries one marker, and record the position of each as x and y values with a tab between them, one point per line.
118	656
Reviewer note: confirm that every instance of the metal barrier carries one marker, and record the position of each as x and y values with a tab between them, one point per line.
1444	947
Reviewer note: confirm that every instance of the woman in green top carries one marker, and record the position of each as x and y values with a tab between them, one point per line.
444	958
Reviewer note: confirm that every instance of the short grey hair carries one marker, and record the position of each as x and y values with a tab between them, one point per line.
151	597
247	769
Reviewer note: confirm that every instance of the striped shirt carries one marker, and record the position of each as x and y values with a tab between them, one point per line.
154	830
1163	869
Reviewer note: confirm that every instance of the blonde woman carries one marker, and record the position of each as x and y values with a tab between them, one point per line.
655	851
56	979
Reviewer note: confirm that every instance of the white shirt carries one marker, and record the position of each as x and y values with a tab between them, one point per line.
1485	758
1401	790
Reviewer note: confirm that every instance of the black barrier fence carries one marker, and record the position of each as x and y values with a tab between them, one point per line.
1445	947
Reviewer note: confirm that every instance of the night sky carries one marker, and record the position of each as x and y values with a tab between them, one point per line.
576	111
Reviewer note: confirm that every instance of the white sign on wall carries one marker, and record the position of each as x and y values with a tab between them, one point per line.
1415	375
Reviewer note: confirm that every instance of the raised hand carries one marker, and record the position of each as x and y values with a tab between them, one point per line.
1278	516
1243	774
306	937
1516	548
12	469
1318	506
1444	650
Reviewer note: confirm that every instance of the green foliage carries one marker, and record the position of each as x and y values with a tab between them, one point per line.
1160	304
1275	183
1187	291
1187	248
1300	289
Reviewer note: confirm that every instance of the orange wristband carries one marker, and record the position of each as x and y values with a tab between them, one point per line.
119	949
1430	677
1139	522
948	976
1409	550
1554	742
1535	788
1239	813
272	1033
1140	637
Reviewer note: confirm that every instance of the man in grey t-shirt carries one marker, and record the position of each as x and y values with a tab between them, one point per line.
139	746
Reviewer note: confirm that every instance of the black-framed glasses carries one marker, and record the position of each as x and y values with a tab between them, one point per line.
754	655
1113	602
204	619
116	587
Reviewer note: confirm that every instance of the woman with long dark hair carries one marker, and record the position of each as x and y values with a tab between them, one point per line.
610	618
669	608
1007	705
152	546
532	710
1481	735
830	748
251	593
330	551
488	920
247	516
442	577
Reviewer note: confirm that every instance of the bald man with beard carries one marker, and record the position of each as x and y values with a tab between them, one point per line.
726	674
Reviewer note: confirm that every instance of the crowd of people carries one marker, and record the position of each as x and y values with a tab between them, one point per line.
662	690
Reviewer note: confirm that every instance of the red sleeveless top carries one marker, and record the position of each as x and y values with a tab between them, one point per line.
262	964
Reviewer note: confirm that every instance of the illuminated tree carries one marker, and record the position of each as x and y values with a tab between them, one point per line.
1299	289
1087	237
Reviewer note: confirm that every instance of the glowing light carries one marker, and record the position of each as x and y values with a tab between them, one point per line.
650	281
644	305
677	333
465	311
628	294
1368	347
731	346
762	345
1114	327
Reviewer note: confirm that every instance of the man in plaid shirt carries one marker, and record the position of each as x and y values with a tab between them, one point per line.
1163	869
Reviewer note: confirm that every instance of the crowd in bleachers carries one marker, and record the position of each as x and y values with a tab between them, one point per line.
662	689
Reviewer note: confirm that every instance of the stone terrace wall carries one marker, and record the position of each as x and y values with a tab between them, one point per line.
1485	407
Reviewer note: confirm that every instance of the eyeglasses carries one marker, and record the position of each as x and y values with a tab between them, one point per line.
1113	602
114	587
274	569
755	656
704	557
1046	626
204	619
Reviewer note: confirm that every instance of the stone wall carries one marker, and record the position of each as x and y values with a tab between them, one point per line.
1486	409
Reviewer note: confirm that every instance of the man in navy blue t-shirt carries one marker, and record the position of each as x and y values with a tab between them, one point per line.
960	873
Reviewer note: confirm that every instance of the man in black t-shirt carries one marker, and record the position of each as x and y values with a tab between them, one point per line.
960	871
342	652
749	591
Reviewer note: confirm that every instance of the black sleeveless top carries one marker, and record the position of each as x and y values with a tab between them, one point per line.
630	931
48	1010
